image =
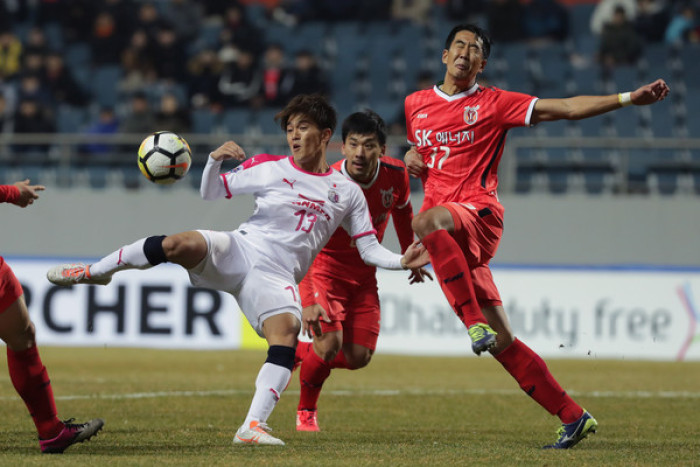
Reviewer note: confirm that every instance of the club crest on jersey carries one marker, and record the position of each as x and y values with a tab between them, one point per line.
333	196
387	197
471	115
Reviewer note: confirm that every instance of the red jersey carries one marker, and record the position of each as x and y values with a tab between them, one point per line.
388	194
461	139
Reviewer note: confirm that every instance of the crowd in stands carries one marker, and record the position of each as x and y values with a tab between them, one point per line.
172	58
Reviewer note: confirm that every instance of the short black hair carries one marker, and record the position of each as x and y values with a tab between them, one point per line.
478	32
366	122
314	106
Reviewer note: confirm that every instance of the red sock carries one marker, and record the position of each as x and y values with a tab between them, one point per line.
533	376
340	362
30	379
314	372
454	276
302	351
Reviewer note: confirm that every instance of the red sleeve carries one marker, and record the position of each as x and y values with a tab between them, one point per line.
8	193
306	289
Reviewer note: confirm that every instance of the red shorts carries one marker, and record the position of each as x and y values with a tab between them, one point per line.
478	231
352	305
10	288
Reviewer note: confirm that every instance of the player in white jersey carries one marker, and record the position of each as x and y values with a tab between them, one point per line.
300	201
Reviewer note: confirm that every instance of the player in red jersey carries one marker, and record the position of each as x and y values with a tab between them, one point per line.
458	130
340	285
27	372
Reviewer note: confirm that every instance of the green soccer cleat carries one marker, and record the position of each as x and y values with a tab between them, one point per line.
571	433
483	337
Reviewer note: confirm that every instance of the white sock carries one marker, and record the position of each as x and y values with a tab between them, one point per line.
271	382
127	257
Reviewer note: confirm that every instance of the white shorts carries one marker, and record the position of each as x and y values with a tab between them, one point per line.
260	287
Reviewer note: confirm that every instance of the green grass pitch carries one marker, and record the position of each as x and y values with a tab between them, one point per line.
164	407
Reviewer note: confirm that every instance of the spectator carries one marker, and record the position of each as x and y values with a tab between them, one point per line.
138	66
171	116
240	83
168	55
106	124
149	21
605	10
306	77
239	33
274	72
619	42
106	42
32	117
204	72
140	118
77	19
10	55
415	11
651	21
36	42
504	19
31	87
63	87
185	16
682	27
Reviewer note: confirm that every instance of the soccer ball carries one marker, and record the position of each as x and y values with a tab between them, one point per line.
164	157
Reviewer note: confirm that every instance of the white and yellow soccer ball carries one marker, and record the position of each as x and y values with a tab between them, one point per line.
164	157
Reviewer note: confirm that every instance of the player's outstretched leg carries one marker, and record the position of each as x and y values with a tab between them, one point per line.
74	273
71	434
569	434
142	254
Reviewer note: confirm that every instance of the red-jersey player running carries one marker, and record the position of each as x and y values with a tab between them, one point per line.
27	372
339	281
458	130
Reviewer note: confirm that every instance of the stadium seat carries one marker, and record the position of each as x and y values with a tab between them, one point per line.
104	87
70	119
204	121
236	121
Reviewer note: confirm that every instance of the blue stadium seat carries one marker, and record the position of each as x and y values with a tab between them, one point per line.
235	121
104	87
71	119
265	120
204	121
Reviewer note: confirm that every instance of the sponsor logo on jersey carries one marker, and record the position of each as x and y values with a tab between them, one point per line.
312	204
387	197
471	114
424	115
291	184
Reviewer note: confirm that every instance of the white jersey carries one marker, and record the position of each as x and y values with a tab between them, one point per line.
296	212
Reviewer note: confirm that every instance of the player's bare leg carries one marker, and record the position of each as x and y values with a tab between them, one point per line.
186	249
32	383
533	376
435	228
281	332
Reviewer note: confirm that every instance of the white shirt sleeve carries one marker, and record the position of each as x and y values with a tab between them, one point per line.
212	185
374	254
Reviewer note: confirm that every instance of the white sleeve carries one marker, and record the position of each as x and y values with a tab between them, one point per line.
213	186
374	254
